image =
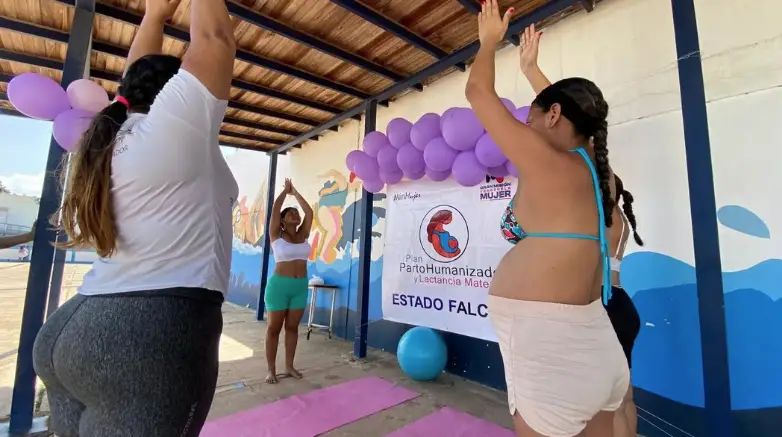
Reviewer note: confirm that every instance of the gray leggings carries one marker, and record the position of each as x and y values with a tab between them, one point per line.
131	365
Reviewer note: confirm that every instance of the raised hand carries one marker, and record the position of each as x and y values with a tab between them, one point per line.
288	187
491	26
162	9
528	50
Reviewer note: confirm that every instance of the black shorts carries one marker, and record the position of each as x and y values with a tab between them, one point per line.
625	319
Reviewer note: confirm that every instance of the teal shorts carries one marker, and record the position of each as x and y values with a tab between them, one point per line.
284	293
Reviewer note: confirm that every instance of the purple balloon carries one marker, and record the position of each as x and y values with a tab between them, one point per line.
508	104
438	155
37	96
366	167
415	175
437	176
425	130
352	158
70	126
373	185
391	177
498	172
448	114
512	169
410	159
373	142
386	158
467	170
398	131
488	153
462	129
521	114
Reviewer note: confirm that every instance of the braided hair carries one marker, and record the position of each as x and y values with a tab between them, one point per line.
627	207
87	209
582	102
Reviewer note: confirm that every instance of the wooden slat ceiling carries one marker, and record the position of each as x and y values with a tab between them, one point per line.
299	62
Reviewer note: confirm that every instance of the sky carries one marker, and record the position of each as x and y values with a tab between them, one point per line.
24	147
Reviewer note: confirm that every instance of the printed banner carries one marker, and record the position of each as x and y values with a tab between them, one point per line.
442	244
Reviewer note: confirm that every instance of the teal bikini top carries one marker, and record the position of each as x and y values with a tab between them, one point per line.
513	232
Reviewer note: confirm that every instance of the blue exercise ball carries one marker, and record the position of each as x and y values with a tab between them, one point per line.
422	354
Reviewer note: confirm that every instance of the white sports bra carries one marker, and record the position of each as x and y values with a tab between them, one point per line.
615	262
285	251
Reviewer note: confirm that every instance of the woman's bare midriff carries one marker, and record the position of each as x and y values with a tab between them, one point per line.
559	270
291	269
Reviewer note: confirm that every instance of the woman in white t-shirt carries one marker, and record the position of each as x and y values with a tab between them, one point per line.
135	353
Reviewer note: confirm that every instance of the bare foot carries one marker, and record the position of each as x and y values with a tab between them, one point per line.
271	379
293	373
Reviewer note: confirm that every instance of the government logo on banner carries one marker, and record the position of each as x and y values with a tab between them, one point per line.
496	189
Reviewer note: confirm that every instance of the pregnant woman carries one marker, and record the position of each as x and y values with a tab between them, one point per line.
286	290
565	370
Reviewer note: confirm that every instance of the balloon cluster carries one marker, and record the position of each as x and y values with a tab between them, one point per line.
452	145
72	110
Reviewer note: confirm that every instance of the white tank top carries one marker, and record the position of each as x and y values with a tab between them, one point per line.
285	251
173	194
616	263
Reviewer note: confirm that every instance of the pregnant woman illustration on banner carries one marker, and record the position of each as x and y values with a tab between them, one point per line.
442	241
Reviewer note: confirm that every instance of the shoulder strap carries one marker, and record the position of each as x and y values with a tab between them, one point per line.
606	296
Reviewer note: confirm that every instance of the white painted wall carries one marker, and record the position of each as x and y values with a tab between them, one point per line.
20	210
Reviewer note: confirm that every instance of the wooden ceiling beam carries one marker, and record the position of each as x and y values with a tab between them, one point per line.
394	28
242	55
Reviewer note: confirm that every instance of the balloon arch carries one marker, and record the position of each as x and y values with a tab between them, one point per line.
38	96
452	145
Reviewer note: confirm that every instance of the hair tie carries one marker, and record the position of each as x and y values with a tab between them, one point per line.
122	100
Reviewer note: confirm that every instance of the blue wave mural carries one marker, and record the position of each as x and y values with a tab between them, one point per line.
743	220
667	356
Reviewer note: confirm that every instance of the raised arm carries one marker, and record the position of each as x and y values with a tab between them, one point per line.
522	145
275	227
528	59
15	240
306	223
210	57
149	37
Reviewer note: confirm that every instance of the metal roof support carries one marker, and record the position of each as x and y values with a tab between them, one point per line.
393	28
589	5
717	410
473	8
135	19
462	55
271	178
248	137
76	67
273	26
56	35
113	77
364	250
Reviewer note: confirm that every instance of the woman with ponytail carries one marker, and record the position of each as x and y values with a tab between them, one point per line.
621	309
135	353
565	370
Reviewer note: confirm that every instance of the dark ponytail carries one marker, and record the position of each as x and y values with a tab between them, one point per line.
627	207
600	141
87	214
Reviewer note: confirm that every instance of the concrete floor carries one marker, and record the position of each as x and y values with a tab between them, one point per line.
241	384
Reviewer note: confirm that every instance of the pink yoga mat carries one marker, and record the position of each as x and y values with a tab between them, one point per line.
313	413
448	422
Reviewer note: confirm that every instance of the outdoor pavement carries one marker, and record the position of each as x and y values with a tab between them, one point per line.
241	384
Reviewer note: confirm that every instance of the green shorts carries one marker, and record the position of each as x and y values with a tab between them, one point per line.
284	293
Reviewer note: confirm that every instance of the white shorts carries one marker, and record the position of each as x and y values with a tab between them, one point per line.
563	363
